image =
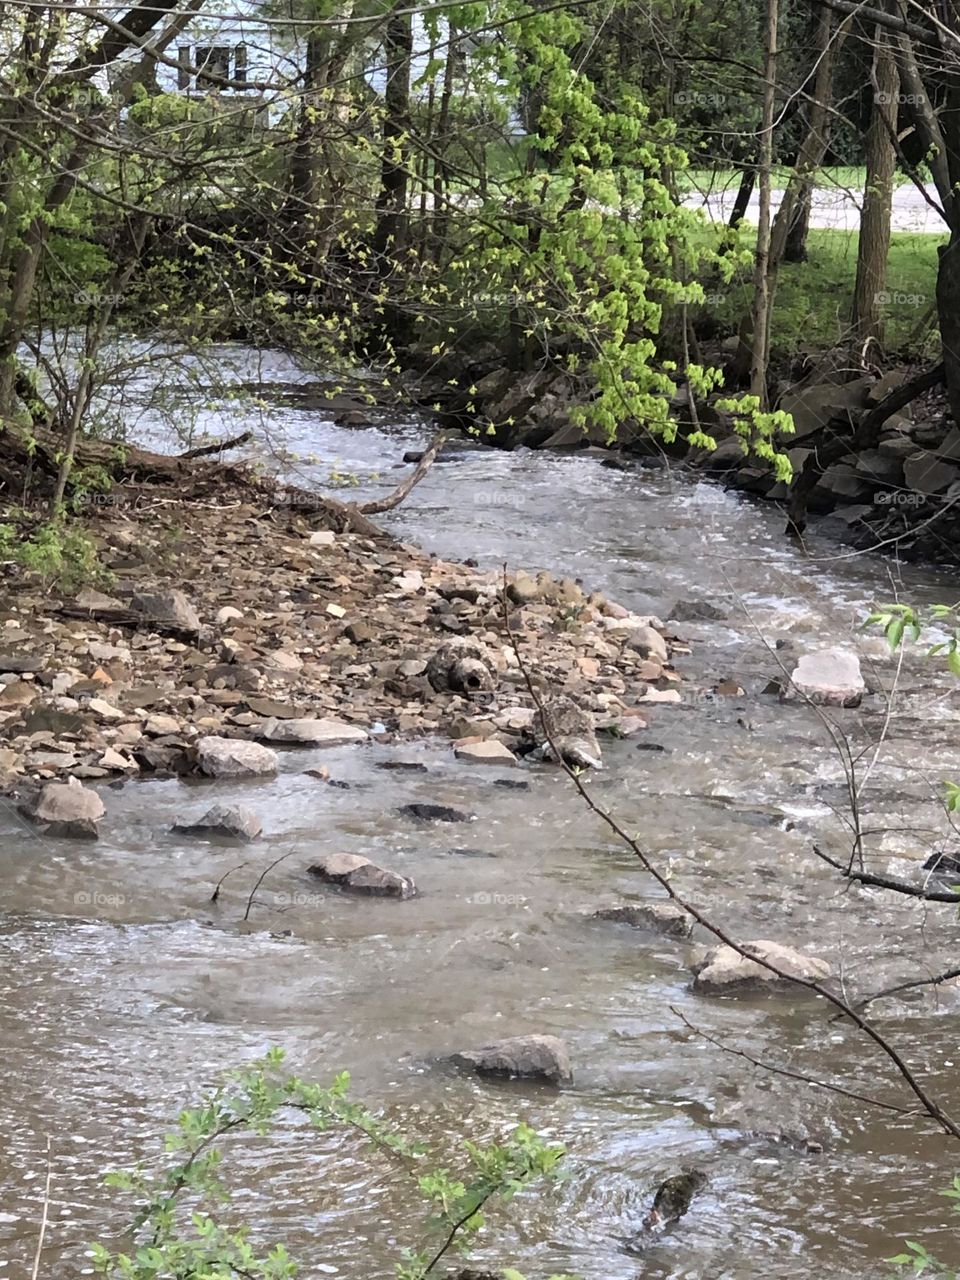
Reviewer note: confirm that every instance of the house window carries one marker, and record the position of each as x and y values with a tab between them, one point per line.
213	66
240	64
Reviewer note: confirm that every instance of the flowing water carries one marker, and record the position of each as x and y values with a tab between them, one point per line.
124	990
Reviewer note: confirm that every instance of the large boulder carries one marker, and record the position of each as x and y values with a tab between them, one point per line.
648	642
234	821
171	608
66	809
461	666
533	1057
235	758
816	406
723	969
562	727
830	678
310	732
359	875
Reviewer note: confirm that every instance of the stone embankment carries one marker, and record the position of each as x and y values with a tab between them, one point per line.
902	491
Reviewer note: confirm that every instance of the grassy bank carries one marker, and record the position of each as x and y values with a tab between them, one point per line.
842	177
814	298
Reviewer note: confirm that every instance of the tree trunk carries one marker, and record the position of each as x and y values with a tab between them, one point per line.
748	178
814	145
874	243
761	277
795	249
392	200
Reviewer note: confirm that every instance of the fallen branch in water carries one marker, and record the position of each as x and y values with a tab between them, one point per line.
423	466
263	875
44	1217
215	896
913	985
219	446
886	882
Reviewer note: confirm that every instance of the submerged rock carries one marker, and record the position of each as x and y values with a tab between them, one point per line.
359	875
66	809
697	611
225	820
235	758
723	969
434	813
830	678
658	917
674	1197
569	728
533	1057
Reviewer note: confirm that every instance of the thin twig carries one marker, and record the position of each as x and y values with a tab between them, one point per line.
263	876
779	1070
912	985
214	897
43	1220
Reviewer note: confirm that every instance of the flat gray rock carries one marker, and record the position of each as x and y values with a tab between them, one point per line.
357	874
534	1057
235	758
657	917
311	732
830	678
723	970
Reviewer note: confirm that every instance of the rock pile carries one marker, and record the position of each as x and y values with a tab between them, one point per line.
287	639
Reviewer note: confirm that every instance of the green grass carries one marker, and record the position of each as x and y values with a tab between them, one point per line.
843	177
813	298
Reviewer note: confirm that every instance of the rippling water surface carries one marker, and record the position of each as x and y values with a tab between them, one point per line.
122	989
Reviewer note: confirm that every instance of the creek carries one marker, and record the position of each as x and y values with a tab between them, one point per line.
123	991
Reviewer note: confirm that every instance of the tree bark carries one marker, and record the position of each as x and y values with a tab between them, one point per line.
392	200
761	278
874	243
748	179
795	249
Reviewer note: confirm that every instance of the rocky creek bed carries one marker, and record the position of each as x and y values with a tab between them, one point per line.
123	987
234	627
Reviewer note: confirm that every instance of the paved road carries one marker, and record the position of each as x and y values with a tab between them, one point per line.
834	209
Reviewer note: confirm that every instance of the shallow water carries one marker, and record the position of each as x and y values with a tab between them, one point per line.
124	989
